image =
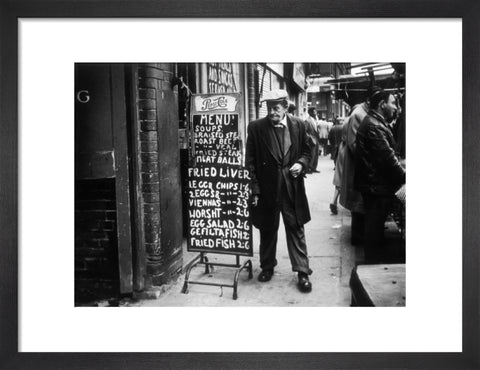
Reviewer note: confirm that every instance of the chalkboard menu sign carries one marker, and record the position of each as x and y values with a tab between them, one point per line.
219	184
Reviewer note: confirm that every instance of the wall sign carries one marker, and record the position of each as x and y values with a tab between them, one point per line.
219	185
221	77
83	96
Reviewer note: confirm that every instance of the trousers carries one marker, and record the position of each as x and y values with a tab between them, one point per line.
295	233
377	208
314	161
358	228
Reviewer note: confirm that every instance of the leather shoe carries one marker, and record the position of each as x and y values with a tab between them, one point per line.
304	284
265	275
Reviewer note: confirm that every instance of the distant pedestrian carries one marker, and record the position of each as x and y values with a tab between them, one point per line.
292	108
313	139
322	128
378	172
335	139
277	157
330	124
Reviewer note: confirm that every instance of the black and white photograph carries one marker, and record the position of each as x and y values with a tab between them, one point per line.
222	184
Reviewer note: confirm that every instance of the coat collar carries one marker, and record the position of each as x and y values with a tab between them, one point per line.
377	116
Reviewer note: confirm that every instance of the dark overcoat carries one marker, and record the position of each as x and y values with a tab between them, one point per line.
377	168
268	165
350	198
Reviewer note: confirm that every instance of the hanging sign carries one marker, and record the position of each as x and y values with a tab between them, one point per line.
219	185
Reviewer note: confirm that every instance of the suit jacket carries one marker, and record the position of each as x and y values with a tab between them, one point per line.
269	166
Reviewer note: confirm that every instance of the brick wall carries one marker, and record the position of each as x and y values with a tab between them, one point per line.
159	166
96	259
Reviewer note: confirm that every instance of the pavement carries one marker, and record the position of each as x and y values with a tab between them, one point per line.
332	259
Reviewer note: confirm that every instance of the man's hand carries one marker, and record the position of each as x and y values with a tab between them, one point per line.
296	169
255	200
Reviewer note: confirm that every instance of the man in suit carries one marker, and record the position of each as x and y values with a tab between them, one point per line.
278	156
314	140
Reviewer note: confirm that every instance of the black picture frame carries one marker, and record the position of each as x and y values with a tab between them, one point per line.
11	10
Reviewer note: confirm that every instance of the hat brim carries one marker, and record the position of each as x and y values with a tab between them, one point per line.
274	100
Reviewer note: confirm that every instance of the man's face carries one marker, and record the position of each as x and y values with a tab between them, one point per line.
389	108
276	111
314	113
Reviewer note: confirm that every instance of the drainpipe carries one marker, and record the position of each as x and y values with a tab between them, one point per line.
252	108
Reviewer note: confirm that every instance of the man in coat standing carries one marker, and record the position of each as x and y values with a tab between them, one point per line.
278	156
350	198
378	172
